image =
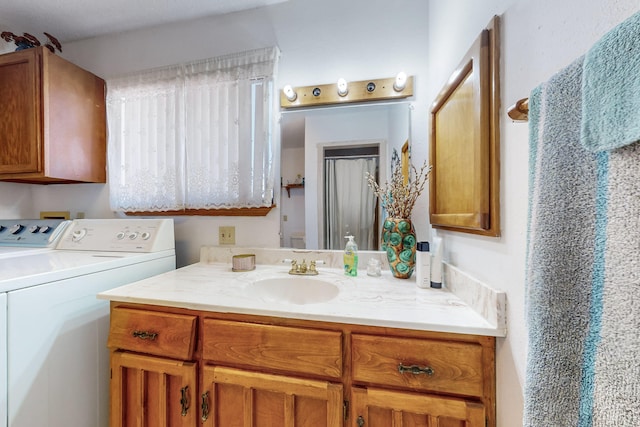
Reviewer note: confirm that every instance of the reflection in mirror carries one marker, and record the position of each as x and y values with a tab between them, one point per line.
325	153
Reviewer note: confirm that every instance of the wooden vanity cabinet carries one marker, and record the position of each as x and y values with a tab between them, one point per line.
241	370
52	120
272	375
392	374
153	369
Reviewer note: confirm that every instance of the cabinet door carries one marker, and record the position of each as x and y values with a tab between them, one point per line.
238	398
152	392
385	408
20	137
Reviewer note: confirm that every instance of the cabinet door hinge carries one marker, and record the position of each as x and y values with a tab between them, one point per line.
345	410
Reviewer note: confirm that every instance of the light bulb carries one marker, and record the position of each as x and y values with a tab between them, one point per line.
290	93
401	82
343	88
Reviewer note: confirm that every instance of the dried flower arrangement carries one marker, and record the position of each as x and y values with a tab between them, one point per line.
27	41
397	198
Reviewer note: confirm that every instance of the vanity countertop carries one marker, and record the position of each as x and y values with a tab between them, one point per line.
364	300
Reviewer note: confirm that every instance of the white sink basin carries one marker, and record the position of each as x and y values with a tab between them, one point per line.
294	289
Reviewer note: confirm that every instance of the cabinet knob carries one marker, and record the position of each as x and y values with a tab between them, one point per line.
360	421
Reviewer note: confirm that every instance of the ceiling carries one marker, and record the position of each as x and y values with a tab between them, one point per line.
70	20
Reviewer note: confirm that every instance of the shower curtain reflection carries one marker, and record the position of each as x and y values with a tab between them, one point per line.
349	205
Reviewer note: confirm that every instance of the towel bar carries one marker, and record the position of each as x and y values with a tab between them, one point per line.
519	112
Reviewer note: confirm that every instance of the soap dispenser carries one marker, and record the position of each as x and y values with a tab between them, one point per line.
351	257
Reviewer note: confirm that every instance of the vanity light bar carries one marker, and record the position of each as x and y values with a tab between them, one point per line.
360	91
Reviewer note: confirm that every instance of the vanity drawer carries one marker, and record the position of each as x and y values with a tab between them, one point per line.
267	347
439	366
152	332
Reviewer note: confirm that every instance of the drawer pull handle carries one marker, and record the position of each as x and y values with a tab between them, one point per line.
184	400
144	335
205	406
416	370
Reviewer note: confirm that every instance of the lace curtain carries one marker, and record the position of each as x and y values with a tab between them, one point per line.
193	136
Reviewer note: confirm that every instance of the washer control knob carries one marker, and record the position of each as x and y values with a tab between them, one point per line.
77	235
145	235
120	235
16	228
133	235
2	227
45	229
34	229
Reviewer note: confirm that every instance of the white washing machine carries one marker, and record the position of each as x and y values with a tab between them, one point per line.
57	363
21	237
29	236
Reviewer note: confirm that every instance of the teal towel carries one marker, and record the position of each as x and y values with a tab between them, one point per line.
611	89
560	251
583	269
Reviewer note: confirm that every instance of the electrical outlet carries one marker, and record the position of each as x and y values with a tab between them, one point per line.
227	235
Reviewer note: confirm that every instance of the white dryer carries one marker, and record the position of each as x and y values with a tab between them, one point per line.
57	363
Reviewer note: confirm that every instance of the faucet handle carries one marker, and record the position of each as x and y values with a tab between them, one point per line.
294	265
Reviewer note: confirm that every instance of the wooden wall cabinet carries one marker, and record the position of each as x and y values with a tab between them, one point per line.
52	120
464	149
242	370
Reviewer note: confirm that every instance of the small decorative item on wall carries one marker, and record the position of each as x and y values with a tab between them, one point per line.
398	199
27	41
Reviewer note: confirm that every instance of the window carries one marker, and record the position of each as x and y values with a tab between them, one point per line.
194	136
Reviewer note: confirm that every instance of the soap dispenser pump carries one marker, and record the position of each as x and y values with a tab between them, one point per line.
351	257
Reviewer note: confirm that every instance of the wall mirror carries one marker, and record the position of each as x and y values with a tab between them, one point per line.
325	152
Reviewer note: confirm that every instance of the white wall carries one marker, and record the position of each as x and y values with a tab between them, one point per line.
538	39
16	201
320	41
372	39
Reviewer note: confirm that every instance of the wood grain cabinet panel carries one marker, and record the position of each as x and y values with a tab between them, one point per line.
373	407
148	391
52	120
428	365
237	397
269	347
151	332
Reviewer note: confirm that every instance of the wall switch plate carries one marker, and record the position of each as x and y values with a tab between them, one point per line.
227	235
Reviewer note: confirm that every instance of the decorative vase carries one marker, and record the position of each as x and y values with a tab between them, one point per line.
399	241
